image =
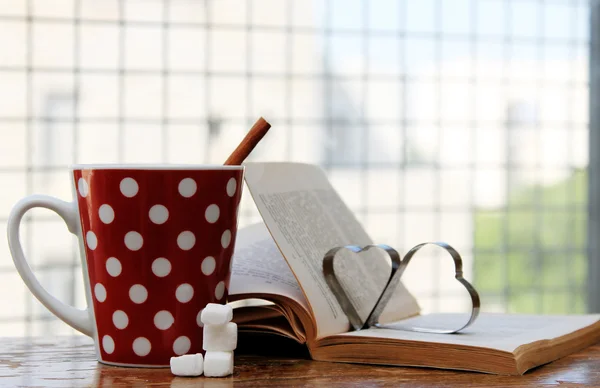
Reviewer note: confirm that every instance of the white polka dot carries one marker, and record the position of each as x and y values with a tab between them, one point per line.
141	346
113	266
199	319
161	267
158	214
108	344
182	345
208	265
106	213
184	293
134	241
129	187
83	188
92	241
231	186
226	238
220	290
120	319
163	320
100	292
212	213
186	240
187	187
138	293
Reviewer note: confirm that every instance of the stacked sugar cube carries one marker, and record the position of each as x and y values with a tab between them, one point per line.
220	340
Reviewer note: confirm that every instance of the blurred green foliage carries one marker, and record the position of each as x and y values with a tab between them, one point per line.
531	255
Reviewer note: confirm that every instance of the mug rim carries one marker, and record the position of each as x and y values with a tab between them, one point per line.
149	166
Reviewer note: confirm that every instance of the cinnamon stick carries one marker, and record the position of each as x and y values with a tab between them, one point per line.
257	132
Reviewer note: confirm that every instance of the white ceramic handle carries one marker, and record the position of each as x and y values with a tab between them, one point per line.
78	319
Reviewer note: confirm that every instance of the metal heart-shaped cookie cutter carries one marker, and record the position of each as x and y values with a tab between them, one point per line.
398	267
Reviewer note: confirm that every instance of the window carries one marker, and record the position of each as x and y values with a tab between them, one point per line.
467	124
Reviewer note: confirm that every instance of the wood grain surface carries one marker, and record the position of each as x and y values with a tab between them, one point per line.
70	362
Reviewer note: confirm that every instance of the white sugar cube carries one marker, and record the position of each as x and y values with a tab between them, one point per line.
218	364
187	365
220	338
216	314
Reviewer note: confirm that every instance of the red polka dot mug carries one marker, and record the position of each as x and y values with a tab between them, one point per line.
156	245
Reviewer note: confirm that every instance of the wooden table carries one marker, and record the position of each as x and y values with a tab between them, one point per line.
69	362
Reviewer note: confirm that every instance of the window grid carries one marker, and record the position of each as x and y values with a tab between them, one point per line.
593	249
347	136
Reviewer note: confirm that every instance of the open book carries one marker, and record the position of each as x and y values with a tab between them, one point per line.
280	262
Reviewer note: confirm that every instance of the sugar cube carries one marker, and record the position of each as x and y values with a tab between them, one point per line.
187	365
218	364
222	338
216	314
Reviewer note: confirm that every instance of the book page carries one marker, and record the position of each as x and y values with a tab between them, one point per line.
307	218
504	332
259	268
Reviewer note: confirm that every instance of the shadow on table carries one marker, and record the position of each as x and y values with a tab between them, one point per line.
113	376
270	345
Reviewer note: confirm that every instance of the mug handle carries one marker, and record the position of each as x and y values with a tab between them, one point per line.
78	319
